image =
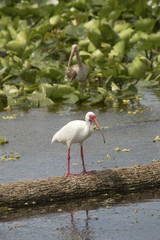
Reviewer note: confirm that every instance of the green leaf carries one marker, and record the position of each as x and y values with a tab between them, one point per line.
81	96
144	24
29	75
45	102
107	32
12	31
117	52
55	20
2	70
11	91
70	30
115	88
106	47
99	98
37	99
3	42
121	26
95	37
60	90
137	36
126	34
46	89
155	39
129	91
114	14
83	44
84	54
71	98
5	20
18	44
93	23
139	66
53	72
145	45
97	55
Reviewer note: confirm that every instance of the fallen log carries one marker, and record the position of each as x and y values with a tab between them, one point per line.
54	189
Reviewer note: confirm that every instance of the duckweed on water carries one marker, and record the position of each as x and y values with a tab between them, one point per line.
156	139
3	141
9	157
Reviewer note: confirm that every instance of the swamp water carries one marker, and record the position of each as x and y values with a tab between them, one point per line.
135	216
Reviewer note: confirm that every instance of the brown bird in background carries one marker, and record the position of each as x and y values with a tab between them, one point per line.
78	72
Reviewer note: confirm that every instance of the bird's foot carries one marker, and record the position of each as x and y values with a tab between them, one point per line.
88	172
71	175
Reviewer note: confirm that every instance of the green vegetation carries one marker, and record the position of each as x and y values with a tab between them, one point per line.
11	156
3	141
118	40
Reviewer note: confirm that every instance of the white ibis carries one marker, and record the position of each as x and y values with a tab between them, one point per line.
77	131
77	72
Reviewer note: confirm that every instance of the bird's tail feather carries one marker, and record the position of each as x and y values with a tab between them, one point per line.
53	140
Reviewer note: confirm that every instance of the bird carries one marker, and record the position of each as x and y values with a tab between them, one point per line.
77	131
78	72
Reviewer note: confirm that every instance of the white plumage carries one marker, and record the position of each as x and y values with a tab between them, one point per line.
73	132
76	131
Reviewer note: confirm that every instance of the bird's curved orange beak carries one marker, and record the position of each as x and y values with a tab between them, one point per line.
71	55
97	125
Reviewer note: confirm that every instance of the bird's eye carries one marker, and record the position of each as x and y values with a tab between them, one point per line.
91	118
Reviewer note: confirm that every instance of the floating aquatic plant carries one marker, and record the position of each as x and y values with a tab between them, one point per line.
3	141
10	156
120	49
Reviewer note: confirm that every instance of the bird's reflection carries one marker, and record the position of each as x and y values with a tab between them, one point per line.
72	218
77	230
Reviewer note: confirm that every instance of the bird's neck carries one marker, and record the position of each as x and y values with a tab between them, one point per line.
90	124
78	58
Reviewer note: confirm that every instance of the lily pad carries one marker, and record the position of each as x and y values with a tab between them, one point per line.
18	44
121	26
100	97
155	39
46	89
144	24
137	36
117	52
70	98
11	91
126	34
139	66
95	37
108	33
97	55
37	99
29	75
59	91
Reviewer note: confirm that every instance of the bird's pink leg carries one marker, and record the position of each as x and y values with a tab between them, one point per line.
68	171
84	169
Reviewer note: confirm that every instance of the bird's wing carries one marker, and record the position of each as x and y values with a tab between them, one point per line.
72	72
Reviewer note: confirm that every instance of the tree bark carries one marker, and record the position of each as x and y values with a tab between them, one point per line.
54	189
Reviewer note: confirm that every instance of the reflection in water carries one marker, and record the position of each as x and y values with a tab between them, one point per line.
77	231
9	214
75	220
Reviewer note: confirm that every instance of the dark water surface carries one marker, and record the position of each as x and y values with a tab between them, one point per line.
136	216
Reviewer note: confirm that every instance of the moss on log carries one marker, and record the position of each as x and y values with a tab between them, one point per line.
53	189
